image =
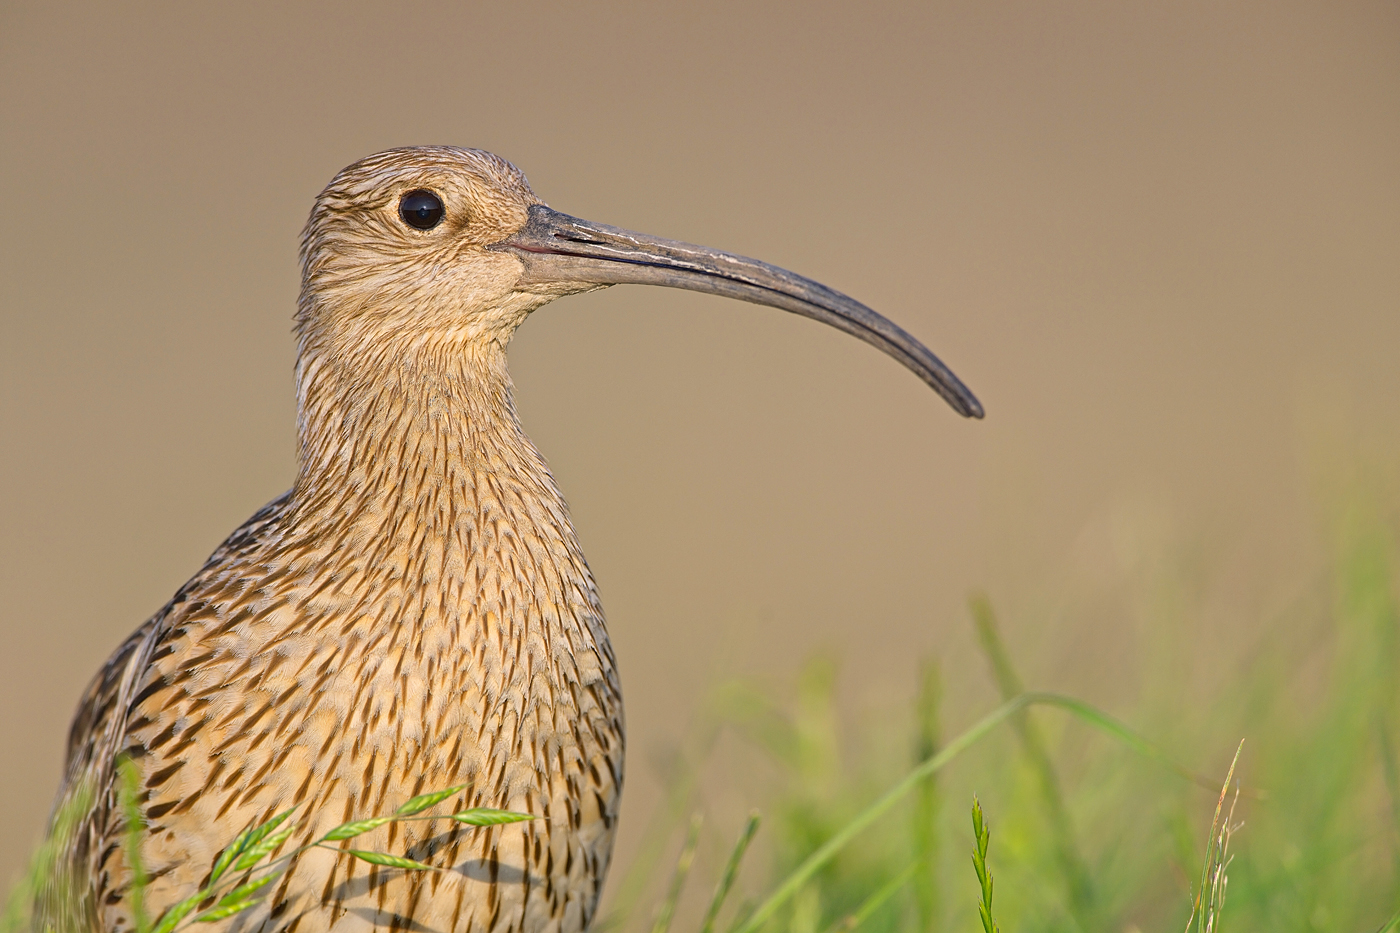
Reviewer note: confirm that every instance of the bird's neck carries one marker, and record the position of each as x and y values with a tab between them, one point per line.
418	447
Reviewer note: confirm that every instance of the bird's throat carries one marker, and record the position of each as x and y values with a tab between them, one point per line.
428	475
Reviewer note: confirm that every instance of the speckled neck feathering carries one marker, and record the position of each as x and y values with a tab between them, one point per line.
415	613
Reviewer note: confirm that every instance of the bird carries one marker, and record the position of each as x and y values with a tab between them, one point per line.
415	612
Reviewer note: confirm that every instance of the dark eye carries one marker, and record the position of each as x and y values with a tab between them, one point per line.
421	209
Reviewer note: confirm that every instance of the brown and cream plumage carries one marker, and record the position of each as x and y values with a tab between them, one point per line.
415	612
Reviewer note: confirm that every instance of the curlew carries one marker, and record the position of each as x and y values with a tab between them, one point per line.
415	612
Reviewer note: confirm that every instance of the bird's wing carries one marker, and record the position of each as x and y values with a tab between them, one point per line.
64	892
86	822
100	721
102	700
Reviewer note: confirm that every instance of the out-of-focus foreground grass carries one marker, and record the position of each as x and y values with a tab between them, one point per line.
1101	821
1090	833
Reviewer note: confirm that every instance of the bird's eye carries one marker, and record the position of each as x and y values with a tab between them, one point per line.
421	209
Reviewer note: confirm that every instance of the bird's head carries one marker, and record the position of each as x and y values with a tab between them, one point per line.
396	250
440	249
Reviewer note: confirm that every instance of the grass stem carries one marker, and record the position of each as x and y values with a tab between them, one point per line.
130	791
1210	895
683	864
927	804
875	901
731	871
1078	888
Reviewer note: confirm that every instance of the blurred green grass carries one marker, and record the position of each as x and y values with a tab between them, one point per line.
1091	834
1104	821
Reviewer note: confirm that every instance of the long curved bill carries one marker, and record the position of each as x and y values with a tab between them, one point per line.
558	248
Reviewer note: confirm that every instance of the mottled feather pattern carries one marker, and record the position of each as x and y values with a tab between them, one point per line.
414	614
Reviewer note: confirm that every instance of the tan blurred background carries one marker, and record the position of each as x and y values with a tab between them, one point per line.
1160	241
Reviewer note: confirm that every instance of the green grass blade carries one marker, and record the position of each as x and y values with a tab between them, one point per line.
244	891
130	798
389	861
242	842
351	830
172	917
683	864
231	851
1075	871
219	913
1210	896
1093	716
50	878
1390	769
875	901
486	816
259	833
262	849
928	803
731	871
424	801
